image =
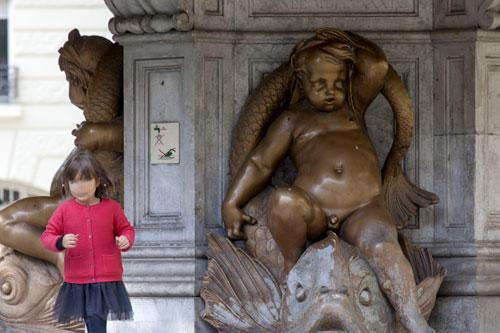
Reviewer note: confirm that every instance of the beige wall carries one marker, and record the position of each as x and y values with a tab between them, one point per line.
35	128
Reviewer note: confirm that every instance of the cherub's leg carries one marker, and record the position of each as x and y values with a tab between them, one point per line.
294	216
22	223
373	232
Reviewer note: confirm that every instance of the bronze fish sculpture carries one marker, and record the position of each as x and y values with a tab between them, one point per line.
242	295
28	290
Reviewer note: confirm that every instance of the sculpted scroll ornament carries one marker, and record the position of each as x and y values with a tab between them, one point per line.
28	292
489	14
147	16
311	110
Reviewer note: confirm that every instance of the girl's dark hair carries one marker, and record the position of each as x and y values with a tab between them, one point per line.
89	167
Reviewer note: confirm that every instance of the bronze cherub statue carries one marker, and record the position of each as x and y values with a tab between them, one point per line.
325	90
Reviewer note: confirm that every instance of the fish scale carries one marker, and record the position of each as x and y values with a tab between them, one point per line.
263	104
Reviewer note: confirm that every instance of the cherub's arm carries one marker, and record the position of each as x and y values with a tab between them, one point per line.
255	173
100	136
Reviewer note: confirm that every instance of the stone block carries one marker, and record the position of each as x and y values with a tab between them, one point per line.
303	15
172	314
466	314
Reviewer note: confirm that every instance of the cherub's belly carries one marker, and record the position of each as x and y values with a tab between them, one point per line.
339	171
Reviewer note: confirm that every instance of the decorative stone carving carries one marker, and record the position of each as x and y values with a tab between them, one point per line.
489	14
143	17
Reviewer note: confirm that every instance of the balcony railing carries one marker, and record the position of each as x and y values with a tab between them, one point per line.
8	83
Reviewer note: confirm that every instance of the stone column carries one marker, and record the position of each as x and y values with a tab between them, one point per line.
466	162
167	202
195	62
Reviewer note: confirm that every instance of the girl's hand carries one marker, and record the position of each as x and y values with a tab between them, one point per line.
122	242
69	241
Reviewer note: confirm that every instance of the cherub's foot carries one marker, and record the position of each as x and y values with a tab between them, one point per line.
417	324
60	263
4	250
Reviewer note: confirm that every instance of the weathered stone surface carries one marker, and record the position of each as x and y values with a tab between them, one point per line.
330	288
302	15
139	17
450	77
164	314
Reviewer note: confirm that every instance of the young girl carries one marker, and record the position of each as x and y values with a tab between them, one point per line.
93	230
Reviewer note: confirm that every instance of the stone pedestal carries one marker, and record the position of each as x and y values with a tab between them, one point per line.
195	62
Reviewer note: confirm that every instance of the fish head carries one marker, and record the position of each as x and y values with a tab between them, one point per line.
332	288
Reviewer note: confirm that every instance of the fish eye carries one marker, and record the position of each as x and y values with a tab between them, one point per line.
365	297
300	293
6	288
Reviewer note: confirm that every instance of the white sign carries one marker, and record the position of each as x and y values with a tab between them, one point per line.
164	143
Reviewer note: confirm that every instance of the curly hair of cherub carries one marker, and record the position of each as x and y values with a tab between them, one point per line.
336	44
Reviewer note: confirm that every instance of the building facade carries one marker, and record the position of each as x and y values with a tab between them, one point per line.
36	117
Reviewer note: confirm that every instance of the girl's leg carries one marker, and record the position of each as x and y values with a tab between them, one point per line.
373	232
22	223
95	324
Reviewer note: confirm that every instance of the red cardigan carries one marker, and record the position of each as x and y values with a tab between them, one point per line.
96	257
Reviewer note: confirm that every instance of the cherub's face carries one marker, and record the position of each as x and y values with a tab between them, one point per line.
324	81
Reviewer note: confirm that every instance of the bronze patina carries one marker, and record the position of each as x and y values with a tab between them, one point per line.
326	88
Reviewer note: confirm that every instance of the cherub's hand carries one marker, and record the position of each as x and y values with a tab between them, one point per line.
234	219
69	241
85	138
122	242
100	136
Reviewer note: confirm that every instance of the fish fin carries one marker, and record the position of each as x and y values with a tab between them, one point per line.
427	291
402	197
428	273
240	293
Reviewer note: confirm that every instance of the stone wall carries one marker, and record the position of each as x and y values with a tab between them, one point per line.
196	62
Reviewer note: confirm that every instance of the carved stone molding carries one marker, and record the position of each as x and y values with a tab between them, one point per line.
489	14
149	16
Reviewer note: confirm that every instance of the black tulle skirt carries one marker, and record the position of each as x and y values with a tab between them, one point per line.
107	300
